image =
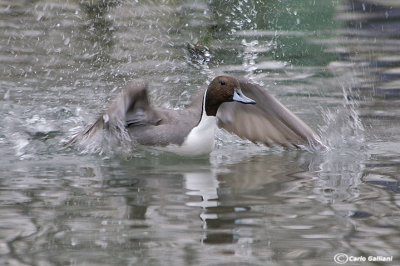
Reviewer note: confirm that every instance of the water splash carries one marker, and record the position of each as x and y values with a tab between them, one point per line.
243	16
107	142
249	56
343	128
339	169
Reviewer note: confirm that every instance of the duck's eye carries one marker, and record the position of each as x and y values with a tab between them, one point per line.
222	82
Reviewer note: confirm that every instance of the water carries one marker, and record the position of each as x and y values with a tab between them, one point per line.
333	63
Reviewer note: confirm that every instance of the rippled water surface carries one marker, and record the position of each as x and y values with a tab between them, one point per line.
336	64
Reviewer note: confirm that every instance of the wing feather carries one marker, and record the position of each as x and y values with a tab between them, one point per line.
268	121
130	107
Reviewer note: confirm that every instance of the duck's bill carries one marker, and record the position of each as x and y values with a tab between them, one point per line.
238	96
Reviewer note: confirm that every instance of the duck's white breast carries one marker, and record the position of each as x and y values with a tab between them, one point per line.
200	140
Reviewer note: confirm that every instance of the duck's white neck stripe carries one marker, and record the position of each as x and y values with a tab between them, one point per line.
204	105
200	140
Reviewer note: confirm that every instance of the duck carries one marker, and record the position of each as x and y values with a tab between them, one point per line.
238	106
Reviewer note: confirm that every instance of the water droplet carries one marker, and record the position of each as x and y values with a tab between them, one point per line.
7	95
67	41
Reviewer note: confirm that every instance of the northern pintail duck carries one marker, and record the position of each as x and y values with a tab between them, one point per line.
238	106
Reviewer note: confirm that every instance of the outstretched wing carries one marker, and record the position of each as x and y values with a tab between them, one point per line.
131	107
268	121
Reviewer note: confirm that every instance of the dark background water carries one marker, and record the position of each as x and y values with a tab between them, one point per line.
334	63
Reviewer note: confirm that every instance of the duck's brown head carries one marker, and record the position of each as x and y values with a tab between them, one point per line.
223	89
